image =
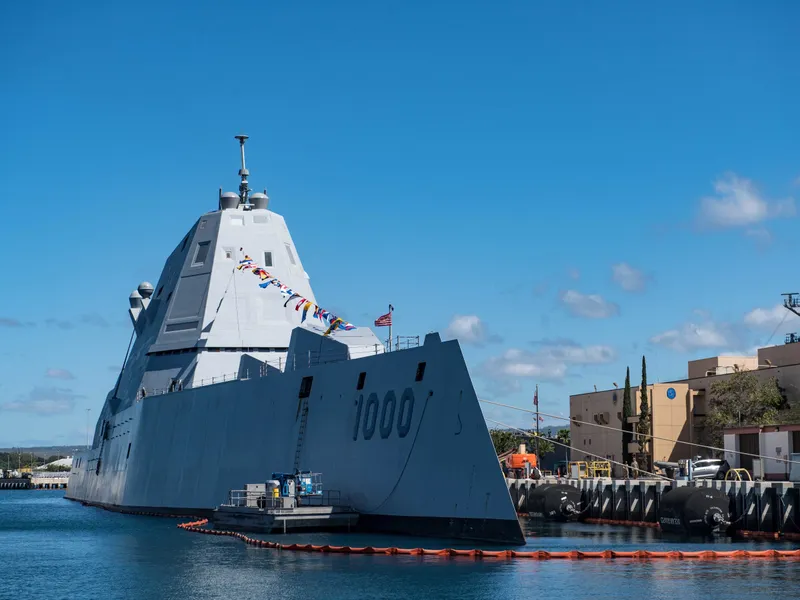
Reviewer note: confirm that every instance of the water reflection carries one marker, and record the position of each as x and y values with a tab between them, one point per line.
73	551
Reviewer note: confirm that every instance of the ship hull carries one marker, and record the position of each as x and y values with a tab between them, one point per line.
409	451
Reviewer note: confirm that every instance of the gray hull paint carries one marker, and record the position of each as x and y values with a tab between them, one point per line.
188	448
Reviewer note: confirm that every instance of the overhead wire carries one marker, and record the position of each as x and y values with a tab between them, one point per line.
623	465
655	437
774	331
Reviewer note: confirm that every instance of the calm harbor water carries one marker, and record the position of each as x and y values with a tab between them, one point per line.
53	548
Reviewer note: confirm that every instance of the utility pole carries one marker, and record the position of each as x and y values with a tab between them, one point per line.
536	404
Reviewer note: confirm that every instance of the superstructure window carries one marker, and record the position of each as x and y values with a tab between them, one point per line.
420	372
305	387
267	259
201	253
291	254
362	377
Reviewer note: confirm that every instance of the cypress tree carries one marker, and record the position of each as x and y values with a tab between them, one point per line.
644	409
627	411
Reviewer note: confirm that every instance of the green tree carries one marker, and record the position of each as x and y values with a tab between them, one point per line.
504	440
627	412
644	410
564	436
545	445
742	399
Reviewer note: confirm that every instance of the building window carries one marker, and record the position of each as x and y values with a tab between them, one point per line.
267	259
305	387
291	254
420	372
362	377
201	253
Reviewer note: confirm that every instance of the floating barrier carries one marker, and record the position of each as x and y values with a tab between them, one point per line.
198	527
767	535
620	522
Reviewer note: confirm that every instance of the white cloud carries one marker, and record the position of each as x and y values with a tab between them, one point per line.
9	322
550	361
628	278
776	321
760	235
94	319
44	401
766	318
61	324
469	329
738	203
590	306
691	336
59	374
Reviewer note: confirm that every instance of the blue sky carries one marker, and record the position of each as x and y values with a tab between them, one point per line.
564	189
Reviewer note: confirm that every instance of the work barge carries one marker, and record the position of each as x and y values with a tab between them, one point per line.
756	507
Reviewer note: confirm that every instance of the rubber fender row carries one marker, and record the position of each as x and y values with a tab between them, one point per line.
768	535
620	522
198	527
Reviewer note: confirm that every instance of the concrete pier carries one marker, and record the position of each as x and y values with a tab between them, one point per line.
756	506
49	480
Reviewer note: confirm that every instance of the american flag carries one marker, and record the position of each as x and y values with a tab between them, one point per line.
385	320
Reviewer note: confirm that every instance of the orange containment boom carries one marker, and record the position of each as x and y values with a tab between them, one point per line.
517	461
197	526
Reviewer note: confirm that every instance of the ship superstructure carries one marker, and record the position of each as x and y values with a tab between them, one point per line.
231	376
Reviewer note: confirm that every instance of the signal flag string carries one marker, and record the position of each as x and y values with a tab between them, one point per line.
623	465
655	437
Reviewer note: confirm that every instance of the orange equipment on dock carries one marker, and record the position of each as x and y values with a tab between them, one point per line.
517	461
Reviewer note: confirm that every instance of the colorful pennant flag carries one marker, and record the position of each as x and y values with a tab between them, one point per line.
327	317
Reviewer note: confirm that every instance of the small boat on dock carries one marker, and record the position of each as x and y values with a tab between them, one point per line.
288	502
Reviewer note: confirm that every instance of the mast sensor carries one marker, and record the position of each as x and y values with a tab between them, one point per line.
244	189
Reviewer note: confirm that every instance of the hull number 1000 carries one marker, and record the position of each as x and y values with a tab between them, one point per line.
384	416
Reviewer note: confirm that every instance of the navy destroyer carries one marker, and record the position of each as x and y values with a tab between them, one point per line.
234	371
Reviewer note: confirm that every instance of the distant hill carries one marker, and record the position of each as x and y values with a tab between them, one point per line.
545	430
42	451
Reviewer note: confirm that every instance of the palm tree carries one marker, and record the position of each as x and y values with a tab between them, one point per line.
563	436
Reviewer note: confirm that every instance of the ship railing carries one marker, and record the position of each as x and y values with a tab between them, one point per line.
291	362
265	499
50	475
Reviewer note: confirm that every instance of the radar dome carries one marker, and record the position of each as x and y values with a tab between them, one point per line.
259	200
228	200
135	299
146	289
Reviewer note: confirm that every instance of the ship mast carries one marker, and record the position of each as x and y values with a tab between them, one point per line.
792	303
244	190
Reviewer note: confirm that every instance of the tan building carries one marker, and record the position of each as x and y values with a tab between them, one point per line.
670	403
678	408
